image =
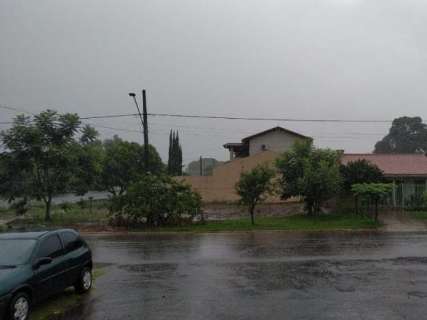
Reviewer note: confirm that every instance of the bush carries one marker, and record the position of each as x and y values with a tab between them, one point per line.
360	171
156	201
311	173
65	206
20	207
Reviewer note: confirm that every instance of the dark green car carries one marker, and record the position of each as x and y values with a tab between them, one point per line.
36	265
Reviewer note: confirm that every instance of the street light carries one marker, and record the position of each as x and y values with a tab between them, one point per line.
143	122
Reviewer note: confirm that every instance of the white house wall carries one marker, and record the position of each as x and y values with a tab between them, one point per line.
276	141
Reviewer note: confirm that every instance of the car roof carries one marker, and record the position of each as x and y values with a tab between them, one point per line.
30	235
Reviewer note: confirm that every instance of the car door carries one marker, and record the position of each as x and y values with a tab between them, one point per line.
74	254
50	278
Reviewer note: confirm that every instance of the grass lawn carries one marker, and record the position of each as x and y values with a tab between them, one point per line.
296	222
421	215
72	214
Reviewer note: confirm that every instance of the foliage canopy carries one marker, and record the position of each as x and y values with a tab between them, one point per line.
360	171
254	186
161	200
406	135
311	173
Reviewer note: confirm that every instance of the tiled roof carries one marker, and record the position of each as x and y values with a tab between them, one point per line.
393	164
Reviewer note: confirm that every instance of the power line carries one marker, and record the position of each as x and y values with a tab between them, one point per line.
2	106
225	117
218	117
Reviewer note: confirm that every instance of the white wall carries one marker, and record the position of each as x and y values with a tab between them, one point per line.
277	141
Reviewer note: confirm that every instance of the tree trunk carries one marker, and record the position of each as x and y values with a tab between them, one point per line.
376	210
48	204
316	208
356	204
309	208
252	213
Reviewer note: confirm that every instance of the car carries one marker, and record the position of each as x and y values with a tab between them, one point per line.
37	265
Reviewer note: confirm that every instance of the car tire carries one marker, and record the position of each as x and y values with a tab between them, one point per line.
20	306
84	284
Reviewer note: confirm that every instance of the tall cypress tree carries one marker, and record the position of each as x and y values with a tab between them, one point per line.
178	156
175	155
170	155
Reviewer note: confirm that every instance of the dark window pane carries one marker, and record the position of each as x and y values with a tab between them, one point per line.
50	247
71	241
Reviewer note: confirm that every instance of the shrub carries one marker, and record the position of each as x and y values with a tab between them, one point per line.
311	173
157	201
20	207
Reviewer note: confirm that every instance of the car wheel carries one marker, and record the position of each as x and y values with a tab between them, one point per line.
20	307
84	284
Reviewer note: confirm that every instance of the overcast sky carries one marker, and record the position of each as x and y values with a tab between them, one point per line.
341	59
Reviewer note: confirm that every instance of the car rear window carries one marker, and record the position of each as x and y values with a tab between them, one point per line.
50	247
71	241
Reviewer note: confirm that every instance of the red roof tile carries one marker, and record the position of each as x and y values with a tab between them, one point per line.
393	164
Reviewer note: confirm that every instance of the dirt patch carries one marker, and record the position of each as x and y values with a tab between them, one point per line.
401	222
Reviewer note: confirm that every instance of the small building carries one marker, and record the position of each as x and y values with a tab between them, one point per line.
276	139
407	172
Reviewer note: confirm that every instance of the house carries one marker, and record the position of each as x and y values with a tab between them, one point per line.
261	148
407	172
276	139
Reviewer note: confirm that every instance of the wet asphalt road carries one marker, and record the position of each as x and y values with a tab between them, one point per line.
263	275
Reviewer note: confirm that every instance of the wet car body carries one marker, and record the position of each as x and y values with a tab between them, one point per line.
51	262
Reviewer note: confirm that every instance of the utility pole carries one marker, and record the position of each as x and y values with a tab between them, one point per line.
201	165
144	122
144	113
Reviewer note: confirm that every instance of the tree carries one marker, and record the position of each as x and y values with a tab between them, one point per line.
40	152
89	156
406	135
360	171
373	191
254	186
175	155
160	199
123	164
311	173
208	165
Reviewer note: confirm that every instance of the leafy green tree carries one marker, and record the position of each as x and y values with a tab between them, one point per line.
406	135
160	199
360	171
123	164
175	155
254	186
89	157
311	173
42	149
373	191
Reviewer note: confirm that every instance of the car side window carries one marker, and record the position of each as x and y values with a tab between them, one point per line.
71	241
50	247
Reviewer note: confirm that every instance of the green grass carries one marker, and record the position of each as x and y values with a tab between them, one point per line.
296	222
421	215
57	306
73	215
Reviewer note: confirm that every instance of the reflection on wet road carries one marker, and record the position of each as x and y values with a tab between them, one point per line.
263	275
